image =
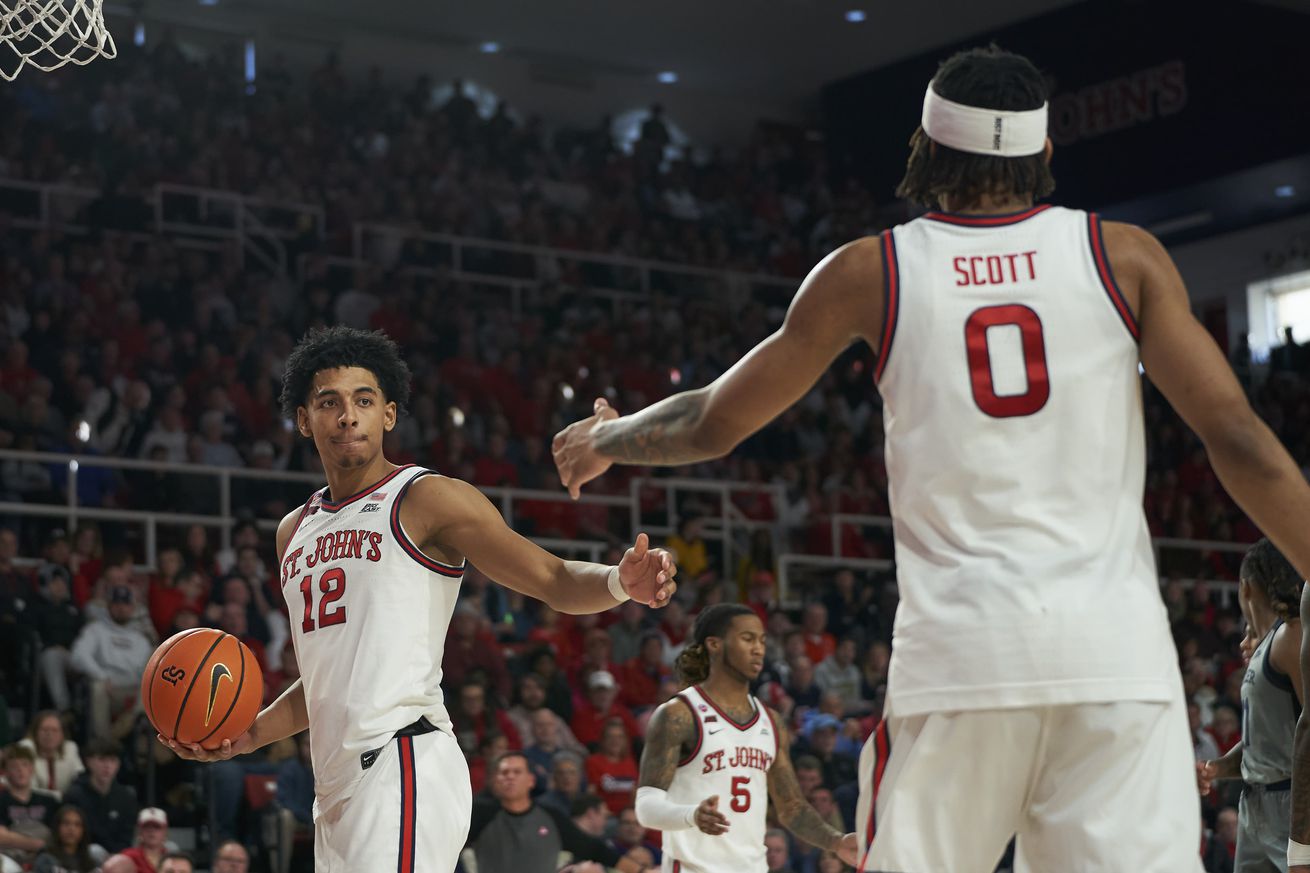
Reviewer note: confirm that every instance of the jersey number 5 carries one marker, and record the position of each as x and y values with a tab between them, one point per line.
741	798
333	585
980	360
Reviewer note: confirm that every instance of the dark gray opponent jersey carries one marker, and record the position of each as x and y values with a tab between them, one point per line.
1269	714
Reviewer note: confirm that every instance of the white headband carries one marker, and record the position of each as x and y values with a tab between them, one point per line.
983	131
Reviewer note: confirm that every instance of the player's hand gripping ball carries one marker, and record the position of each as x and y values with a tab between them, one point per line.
201	687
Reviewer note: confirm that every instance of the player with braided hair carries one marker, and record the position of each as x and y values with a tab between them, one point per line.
1269	595
714	739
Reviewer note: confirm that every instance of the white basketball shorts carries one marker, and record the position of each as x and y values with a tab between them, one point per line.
1084	788
409	813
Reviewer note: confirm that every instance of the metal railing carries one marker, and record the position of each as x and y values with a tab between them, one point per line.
516	289
255	224
724	520
790	564
393	246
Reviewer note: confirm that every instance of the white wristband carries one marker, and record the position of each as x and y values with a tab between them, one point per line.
1297	853
654	810
616	586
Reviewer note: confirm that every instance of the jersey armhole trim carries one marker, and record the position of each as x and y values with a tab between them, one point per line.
891	302
304	510
1102	261
777	737
1276	677
398	531
691	756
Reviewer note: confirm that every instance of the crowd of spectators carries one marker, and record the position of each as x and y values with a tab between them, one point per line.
135	346
420	155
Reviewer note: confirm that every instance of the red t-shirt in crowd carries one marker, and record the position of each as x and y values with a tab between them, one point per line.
588	724
614	781
138	857
819	646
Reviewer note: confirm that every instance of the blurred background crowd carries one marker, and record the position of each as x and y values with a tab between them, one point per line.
126	344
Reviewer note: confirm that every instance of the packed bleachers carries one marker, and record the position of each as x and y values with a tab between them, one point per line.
127	344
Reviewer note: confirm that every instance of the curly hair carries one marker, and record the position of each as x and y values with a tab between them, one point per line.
693	663
333	347
992	79
1265	567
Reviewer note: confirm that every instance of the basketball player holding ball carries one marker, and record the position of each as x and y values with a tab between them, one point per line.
715	756
1034	686
370	569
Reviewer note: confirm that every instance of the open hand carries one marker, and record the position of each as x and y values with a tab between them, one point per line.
709	819
196	752
647	574
574	450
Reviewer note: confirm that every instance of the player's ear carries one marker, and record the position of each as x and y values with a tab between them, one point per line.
1048	150
302	421
389	415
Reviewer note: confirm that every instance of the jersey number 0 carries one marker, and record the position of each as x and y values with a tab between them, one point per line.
980	360
332	584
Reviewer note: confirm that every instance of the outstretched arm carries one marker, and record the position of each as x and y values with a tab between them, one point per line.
453	519
793	810
839	303
1184	362
672	728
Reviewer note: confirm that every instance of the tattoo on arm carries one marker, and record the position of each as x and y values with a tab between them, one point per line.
793	810
670	728
662	434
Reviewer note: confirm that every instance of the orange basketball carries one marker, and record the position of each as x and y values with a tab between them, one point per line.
202	686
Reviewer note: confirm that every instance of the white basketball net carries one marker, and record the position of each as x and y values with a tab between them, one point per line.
50	33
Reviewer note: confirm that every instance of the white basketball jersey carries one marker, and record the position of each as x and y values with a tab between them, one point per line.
369	614
1015	457
731	760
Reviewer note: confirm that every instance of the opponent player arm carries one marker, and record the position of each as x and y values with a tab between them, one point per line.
839	302
789	804
1301	744
671	728
1229	766
453	516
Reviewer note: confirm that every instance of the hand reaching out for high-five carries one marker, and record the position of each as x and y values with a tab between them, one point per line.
647	574
574	450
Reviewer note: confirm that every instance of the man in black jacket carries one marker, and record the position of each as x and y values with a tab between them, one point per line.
512	834
56	620
110	806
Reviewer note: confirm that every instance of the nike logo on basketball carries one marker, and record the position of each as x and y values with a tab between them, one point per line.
216	675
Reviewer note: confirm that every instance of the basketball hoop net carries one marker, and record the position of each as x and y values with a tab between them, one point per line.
50	33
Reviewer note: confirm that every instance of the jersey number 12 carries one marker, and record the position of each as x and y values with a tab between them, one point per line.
333	585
